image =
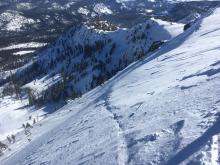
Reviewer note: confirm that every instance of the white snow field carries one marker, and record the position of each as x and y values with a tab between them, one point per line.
13	113
14	21
24	45
161	110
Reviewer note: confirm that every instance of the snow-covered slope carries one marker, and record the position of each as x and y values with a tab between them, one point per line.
86	57
14	113
127	42
162	110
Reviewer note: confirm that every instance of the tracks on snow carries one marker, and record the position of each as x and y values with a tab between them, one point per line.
215	150
122	148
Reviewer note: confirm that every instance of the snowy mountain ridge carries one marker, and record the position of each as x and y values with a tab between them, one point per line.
41	21
85	57
163	109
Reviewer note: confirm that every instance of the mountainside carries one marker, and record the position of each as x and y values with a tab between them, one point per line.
78	61
29	25
163	109
84	58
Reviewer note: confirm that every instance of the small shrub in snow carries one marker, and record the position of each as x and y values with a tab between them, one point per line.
28	125
1	153
155	45
3	146
32	98
187	26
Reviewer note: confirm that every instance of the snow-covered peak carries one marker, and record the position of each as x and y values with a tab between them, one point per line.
100	8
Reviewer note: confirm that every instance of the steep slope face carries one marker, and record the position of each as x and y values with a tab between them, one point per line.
162	110
85	57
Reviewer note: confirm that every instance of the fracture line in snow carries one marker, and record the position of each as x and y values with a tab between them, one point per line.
214	150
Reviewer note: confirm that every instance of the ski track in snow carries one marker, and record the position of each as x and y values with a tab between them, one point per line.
122	151
215	150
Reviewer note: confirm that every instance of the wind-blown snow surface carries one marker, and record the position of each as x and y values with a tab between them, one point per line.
162	110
